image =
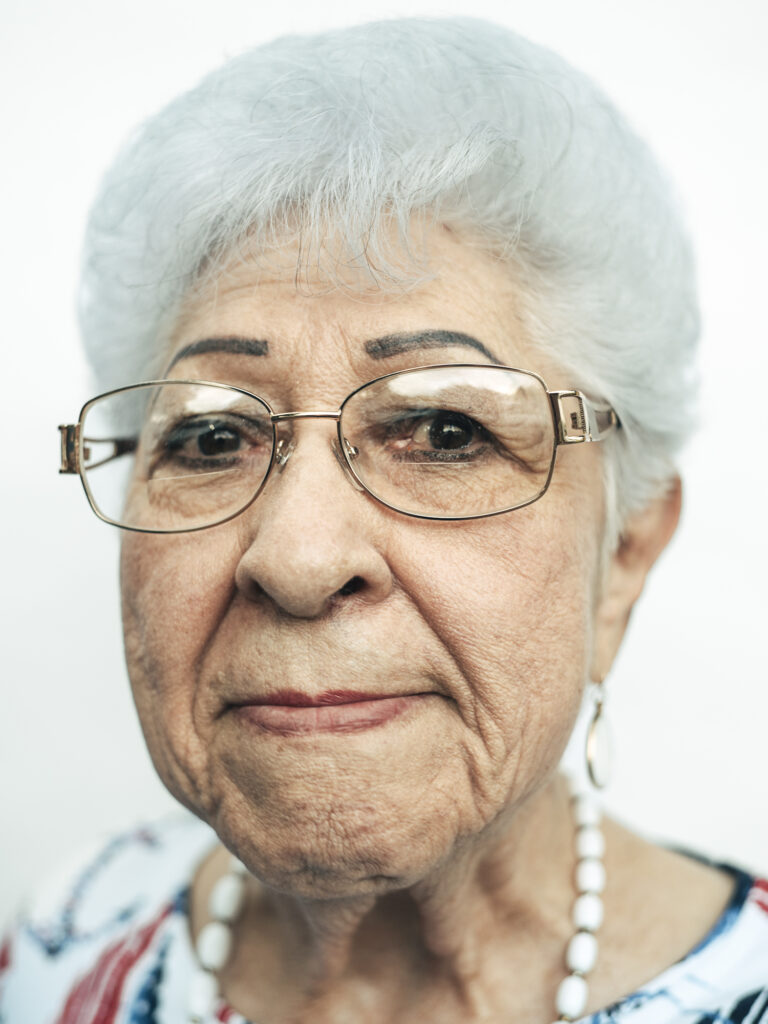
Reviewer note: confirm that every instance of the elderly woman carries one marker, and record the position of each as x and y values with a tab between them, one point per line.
358	305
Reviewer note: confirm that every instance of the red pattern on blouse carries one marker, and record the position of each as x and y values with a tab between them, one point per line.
759	893
95	999
5	955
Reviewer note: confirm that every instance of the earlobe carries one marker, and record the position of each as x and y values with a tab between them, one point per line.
643	539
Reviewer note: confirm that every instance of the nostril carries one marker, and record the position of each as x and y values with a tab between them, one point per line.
352	586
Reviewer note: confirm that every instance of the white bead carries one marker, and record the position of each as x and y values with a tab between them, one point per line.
201	999
226	898
588	912
571	997
581	954
590	875
586	811
590	842
213	945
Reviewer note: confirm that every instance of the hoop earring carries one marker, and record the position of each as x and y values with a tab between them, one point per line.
599	753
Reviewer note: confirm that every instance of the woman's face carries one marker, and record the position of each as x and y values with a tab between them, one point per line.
482	629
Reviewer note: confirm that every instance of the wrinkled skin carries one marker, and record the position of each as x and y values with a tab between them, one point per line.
498	621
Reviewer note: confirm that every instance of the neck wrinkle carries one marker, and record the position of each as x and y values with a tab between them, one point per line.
509	891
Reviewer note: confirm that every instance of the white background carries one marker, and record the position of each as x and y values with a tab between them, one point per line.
689	696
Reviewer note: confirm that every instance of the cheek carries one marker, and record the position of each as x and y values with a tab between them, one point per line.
174	590
506	587
511	599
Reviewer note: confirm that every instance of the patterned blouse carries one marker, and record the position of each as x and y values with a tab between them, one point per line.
108	943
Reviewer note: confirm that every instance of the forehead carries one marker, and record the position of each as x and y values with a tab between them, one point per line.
468	307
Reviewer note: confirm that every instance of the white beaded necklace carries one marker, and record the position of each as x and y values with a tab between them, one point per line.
214	943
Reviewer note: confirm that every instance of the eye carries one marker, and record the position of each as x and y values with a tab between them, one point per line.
202	437
447	431
206	442
217	439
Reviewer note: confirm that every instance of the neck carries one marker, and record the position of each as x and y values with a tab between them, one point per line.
454	938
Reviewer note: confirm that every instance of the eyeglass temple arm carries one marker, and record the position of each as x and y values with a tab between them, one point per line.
577	419
69	434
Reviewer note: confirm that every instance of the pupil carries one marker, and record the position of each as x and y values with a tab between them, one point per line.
451	430
217	440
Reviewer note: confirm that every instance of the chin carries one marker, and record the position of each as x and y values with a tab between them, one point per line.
328	852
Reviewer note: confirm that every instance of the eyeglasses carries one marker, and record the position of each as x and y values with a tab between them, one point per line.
452	441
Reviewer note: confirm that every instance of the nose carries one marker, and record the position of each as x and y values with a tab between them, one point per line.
310	540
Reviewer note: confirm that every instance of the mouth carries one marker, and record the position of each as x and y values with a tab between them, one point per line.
289	712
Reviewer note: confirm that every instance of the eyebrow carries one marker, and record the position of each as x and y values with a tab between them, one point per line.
394	344
237	346
377	348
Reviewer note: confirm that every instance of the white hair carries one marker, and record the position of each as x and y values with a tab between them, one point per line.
353	133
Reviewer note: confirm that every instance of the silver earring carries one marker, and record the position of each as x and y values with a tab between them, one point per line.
599	750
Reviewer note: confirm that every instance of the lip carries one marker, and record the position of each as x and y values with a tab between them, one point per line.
289	712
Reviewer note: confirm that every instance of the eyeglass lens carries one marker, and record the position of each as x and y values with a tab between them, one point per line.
175	456
451	442
443	442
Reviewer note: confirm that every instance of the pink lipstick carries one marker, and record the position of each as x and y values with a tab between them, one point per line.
289	712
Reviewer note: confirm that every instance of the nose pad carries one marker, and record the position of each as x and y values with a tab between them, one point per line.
352	452
285	449
283	452
350	449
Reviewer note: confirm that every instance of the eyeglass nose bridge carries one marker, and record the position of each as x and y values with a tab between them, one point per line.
284	449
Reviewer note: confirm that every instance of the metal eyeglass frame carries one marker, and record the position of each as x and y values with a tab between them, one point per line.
575	420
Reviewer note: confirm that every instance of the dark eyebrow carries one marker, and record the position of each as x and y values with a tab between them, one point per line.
394	344
237	346
377	348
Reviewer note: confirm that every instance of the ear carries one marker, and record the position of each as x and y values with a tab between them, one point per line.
644	537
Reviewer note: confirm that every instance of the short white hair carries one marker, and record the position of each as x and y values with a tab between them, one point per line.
354	132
